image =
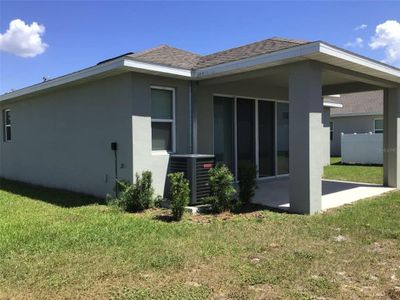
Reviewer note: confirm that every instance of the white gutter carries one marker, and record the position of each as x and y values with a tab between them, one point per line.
134	65
88	72
257	62
332	104
314	51
341	115
359	60
117	64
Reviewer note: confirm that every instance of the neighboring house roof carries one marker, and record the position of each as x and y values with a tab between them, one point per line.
364	103
172	62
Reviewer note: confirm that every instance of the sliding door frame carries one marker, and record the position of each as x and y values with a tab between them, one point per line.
256	132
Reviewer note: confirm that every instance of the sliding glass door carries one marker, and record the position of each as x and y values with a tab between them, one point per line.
282	126
224	146
245	131
266	138
252	131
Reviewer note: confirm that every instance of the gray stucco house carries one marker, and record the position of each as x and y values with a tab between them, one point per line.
360	113
261	102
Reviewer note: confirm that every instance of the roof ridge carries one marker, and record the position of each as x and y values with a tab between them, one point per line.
150	49
293	41
161	47
259	41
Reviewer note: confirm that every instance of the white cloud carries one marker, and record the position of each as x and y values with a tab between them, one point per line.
23	39
387	36
361	27
357	43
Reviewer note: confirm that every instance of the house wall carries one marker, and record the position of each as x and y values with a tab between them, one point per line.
143	156
350	124
62	138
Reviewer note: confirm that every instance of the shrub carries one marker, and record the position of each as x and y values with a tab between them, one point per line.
247	181
179	194
222	191
158	201
137	196
143	191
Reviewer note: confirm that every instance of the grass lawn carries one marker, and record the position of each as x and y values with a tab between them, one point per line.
52	247
357	173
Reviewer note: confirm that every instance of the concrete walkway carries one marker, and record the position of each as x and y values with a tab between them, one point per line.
275	192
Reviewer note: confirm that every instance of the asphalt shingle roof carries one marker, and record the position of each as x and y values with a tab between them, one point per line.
170	56
246	51
365	102
167	55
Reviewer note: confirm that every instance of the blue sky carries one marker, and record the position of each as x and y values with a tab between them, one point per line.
80	34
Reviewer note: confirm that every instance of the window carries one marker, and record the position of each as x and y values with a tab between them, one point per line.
7	125
331	130
378	126
162	119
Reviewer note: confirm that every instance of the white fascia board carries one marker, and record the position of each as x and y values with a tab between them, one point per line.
342	115
307	51
257	62
360	60
88	72
138	66
331	104
122	64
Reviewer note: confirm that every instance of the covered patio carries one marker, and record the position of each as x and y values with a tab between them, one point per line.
274	193
299	77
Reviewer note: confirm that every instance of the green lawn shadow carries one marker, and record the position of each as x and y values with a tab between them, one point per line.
53	196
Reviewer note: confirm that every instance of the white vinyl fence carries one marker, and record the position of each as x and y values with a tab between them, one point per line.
365	148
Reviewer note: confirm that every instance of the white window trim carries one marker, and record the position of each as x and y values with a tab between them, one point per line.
172	121
5	125
378	119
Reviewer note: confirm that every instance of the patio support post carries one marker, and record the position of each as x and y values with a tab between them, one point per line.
391	138
305	138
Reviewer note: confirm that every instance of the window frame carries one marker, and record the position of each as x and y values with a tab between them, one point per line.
6	138
171	121
383	128
331	130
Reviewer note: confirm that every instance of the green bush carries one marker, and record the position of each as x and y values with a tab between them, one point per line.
143	191
179	194
222	190
247	181
135	197
158	201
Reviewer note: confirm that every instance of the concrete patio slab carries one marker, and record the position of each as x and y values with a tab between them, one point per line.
275	192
